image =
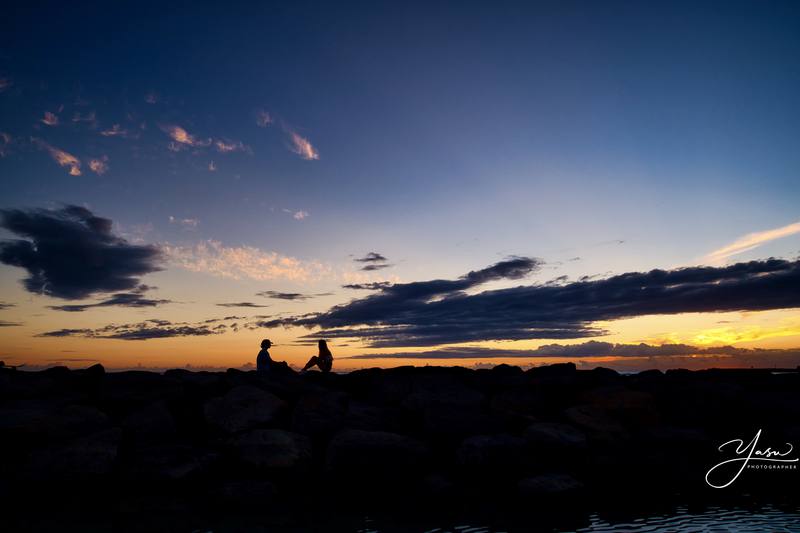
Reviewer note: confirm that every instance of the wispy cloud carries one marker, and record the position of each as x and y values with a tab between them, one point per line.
302	146
151	98
115	131
90	117
226	146
99	166
7	324
5	143
134	298
146	330
212	167
373	261
263	119
240	304
5	83
298	215
64	159
750	241
49	119
189	223
181	137
243	262
277	295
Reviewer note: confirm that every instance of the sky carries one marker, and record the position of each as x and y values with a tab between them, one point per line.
416	182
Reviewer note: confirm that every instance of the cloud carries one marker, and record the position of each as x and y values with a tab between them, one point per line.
90	117
371	257
115	131
134	298
7	324
297	215
149	329
49	119
748	242
188	223
64	159
289	295
302	146
70	253
6	305
99	166
5	83
429	313
212	167
240	304
226	146
5	144
182	138
371	286
151	98
263	119
243	262
374	260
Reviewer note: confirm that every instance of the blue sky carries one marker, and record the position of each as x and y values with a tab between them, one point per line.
448	135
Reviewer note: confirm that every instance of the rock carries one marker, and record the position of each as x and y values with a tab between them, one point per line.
244	407
550	371
370	417
150	424
554	436
124	391
169	462
85	457
442	390
630	406
523	401
454	422
597	423
375	453
273	449
319	414
37	421
493	453
549	484
247	493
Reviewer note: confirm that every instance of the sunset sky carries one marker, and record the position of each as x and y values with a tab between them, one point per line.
419	183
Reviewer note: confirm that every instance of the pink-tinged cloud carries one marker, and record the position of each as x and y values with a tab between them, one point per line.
226	146
64	159
151	98
49	119
750	241
89	117
188	223
115	131
302	146
301	215
5	83
244	262
99	166
263	119
212	167
5	144
181	137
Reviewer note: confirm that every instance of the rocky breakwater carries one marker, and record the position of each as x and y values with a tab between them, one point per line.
550	434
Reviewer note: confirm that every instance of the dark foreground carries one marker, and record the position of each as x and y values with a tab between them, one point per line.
540	449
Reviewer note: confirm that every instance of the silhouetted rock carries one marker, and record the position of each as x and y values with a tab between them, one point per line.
548	485
375	452
554	436
273	449
496	454
152	423
84	457
319	414
242	408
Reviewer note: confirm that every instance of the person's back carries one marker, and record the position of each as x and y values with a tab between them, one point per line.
263	360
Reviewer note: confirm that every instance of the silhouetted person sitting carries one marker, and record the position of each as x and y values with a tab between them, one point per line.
263	360
324	360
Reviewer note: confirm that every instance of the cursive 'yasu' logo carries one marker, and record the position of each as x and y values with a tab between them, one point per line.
745	456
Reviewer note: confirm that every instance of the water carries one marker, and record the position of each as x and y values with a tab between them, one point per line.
710	519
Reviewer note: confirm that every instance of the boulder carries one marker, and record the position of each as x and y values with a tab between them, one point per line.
498	454
554	436
457	422
375	453
549	484
273	449
85	457
40	421
319	414
168	462
597	423
149	424
242	408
